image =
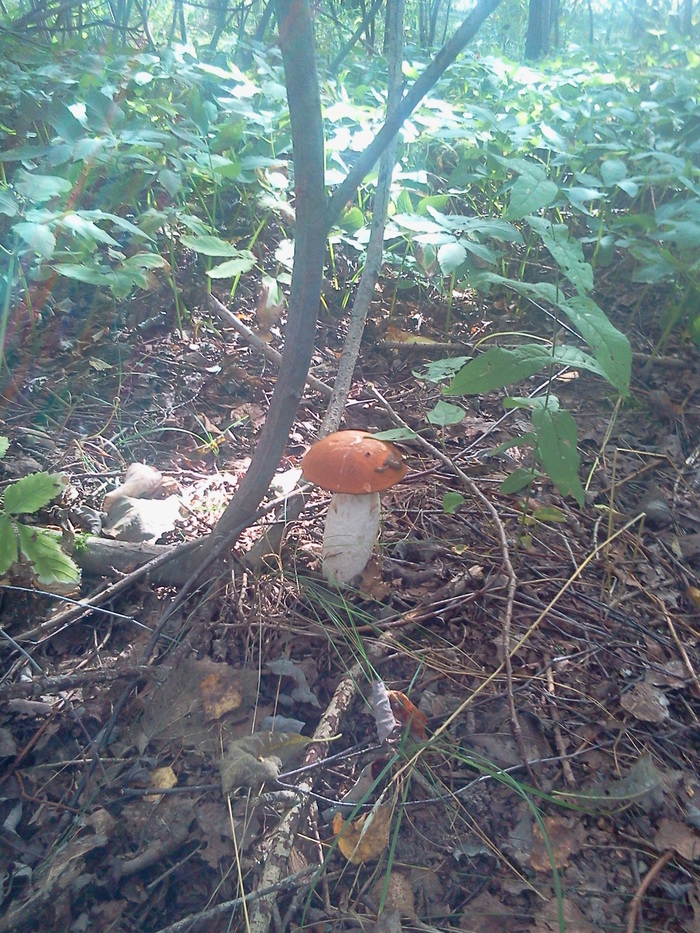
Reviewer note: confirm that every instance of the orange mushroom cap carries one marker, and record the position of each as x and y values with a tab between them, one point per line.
353	462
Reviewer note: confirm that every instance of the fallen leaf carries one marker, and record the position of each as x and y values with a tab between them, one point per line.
682	839
408	715
366	838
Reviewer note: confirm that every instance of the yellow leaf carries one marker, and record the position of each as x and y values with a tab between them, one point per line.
366	838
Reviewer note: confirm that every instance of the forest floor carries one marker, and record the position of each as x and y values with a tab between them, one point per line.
600	832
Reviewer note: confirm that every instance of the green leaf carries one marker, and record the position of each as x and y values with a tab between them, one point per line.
33	492
498	367
451	501
517	480
566	250
210	245
437	370
578	197
530	194
43	549
82	273
451	256
227	270
37	236
557	448
81	226
611	349
549	513
613	171
39	188
396	434
352	220
8	205
171	181
444	413
4	444
8	544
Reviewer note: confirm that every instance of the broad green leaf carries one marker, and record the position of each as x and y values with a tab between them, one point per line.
64	122
37	236
613	171
451	501
610	347
4	445
557	441
498	367
82	273
352	220
451	256
437	370
85	228
528	195
171	181
40	188
566	250
43	549
32	492
210	245
227	270
8	544
579	196
444	413
517	480
8	205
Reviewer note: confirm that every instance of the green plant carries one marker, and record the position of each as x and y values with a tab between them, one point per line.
18	541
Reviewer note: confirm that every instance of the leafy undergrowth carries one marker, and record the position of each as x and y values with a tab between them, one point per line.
604	671
134	809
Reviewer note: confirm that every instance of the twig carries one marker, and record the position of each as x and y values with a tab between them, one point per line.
258	343
641	891
558	738
44	686
679	644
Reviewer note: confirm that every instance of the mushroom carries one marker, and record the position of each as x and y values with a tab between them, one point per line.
355	467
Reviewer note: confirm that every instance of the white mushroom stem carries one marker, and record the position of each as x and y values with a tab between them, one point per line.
352	525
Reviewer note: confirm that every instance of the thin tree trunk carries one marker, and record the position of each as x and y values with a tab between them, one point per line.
375	248
340	57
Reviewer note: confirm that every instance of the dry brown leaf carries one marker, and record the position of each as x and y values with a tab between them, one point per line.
366	838
408	715
396	335
565	838
221	693
162	779
679	837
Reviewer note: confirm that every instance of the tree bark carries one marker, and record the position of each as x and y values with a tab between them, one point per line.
297	45
538	25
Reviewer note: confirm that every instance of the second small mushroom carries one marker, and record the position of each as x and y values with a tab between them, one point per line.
355	467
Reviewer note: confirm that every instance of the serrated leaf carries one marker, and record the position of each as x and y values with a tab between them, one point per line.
557	441
50	563
530	194
4	444
32	492
8	544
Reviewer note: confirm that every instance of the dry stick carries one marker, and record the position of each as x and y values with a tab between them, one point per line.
507	563
641	891
558	737
679	644
258	343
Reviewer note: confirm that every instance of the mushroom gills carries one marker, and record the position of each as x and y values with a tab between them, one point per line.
352	525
